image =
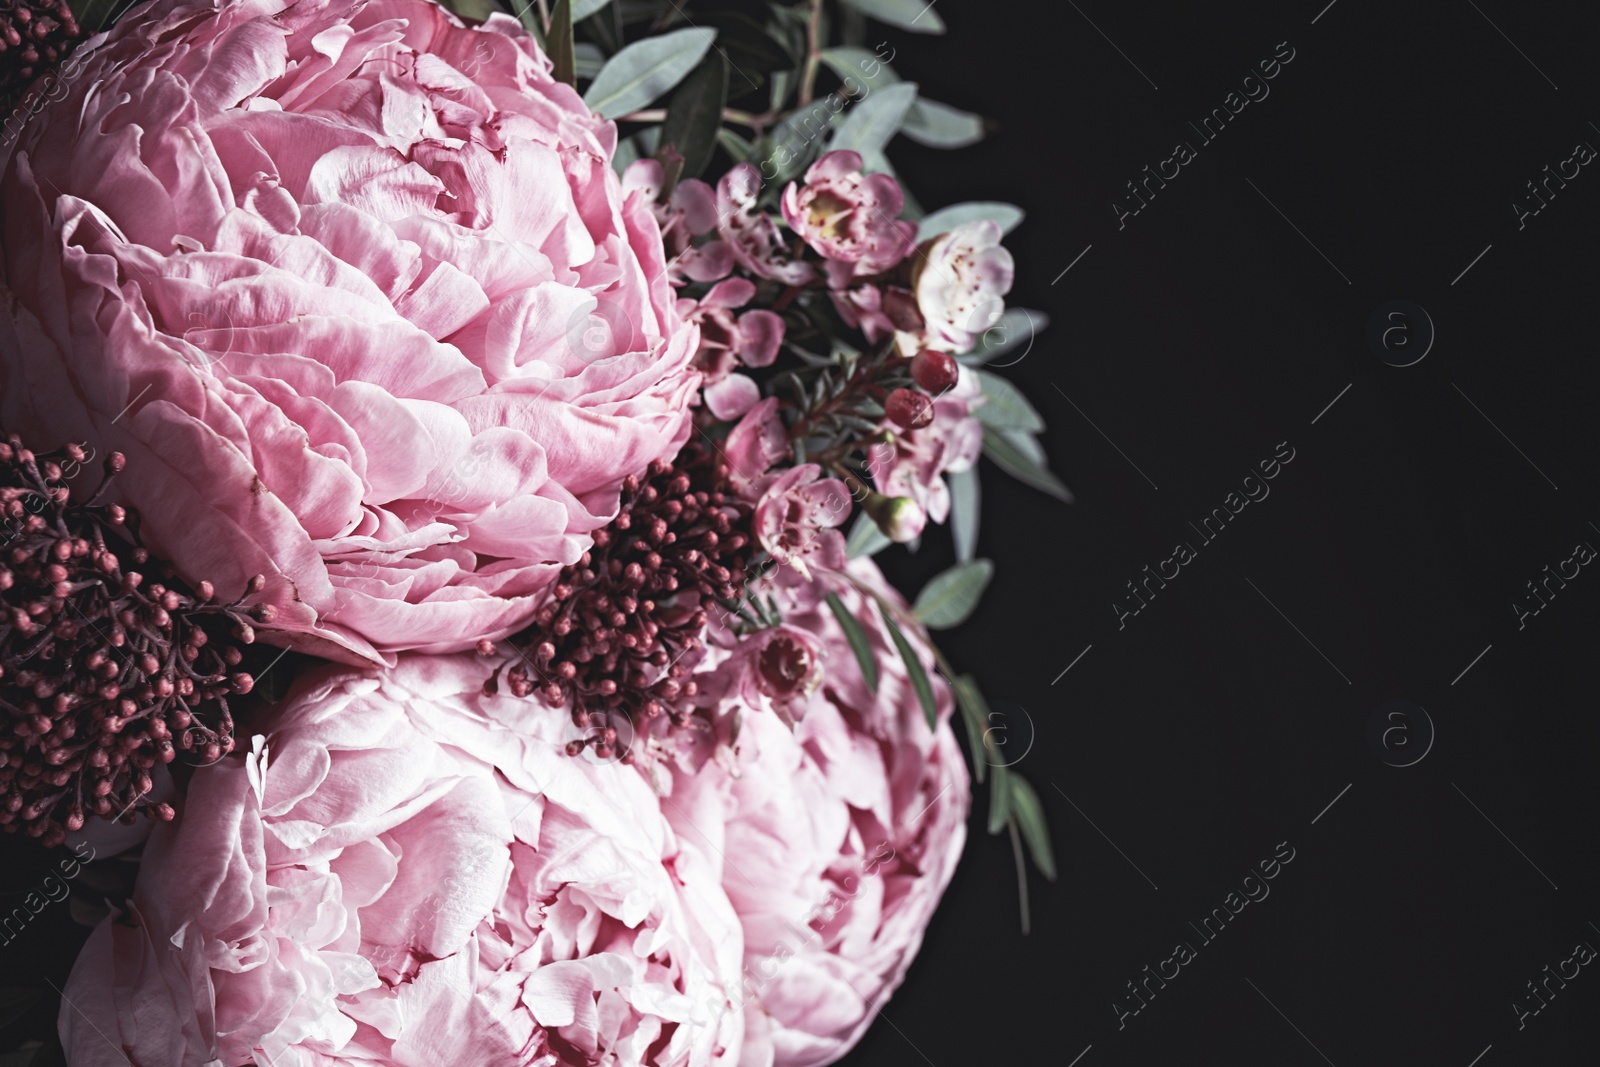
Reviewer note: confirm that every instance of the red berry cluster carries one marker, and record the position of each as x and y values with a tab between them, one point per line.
608	643
104	673
34	34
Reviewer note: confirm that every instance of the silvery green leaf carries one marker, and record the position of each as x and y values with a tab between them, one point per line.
1019	455
1016	328
1004	407
876	162
950	598
477	10
695	114
858	642
645	69
869	124
939	125
975	712
563	53
914	668
588	59
964	511
865	538
1008	216
794	141
914	15
636	146
582	9
859	65
1029	814
528	15
735	145
999	798
638	11
782	83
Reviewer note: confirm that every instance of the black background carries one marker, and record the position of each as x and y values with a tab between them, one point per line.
1211	728
1208	729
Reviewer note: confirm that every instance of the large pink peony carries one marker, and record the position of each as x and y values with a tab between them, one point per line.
838	836
392	878
356	290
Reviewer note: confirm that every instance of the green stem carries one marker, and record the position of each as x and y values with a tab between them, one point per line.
729	114
808	77
1022	874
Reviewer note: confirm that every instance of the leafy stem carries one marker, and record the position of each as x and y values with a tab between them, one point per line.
1006	788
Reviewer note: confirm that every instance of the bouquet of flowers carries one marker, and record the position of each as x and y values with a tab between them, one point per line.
438	524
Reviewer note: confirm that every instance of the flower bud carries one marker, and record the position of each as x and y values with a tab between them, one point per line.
909	408
899	517
934	371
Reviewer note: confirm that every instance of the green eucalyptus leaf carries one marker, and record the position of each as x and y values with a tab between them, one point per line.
735	145
858	641
636	146
1015	328
914	15
588	59
859	65
853	25
999	798
1029	814
795	142
753	54
582	9
645	69
787	26
1019	455
937	125
476	10
636	11
868	125
783	83
964	512
1004	407
865	538
919	677
527	14
950	598
563	54
695	115
1008	216
975	712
